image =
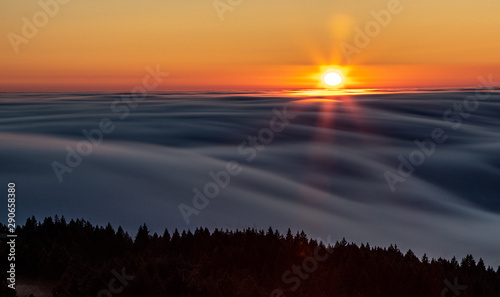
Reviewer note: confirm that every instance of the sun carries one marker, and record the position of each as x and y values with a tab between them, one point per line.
333	78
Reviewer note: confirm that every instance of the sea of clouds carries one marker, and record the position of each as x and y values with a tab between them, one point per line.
328	171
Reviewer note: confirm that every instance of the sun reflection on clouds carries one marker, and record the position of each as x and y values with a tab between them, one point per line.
331	92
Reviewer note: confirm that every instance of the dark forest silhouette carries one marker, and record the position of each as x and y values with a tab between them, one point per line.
77	259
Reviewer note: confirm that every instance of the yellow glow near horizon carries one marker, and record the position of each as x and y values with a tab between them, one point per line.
106	45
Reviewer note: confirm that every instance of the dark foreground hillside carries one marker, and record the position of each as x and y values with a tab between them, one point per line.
78	259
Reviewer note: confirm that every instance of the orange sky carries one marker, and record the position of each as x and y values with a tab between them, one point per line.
106	45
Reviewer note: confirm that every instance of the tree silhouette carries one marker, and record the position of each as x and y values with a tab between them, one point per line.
78	259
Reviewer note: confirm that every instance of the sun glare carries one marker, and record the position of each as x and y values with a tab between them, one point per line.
333	79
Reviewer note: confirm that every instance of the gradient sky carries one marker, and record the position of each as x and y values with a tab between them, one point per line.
106	45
